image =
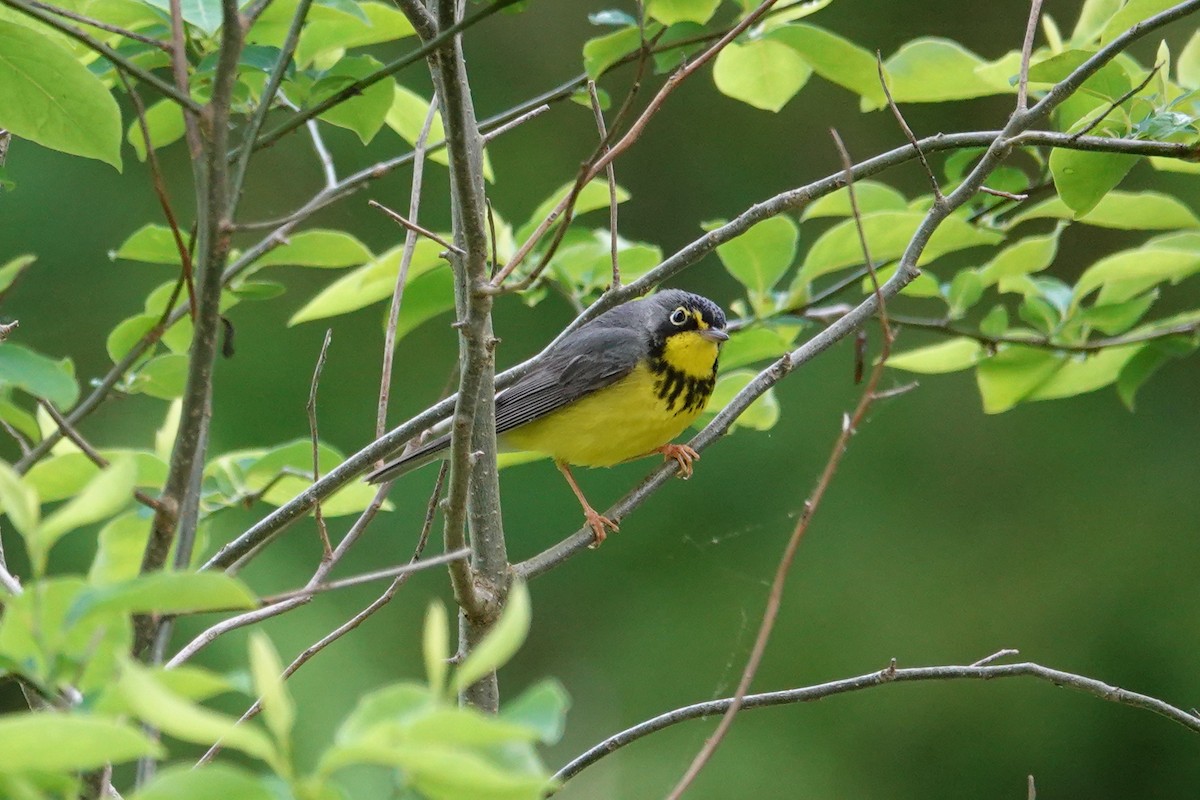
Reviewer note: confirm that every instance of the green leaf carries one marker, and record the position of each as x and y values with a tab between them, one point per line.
757	344
541	708
164	121
166	592
1132	13
52	741
181	718
1085	373
591	197
436	646
296	456
1092	19
103	496
931	70
128	333
760	415
49	97
584	260
204	14
468	727
602	52
331	30
835	59
122	542
153	244
500	643
65	474
279	710
318	248
1187	68
759	257
1141	211
365	112
1128	273
951	355
370	283
18	500
1108	83
1084	178
397	703
1138	369
209	782
37	375
924	285
669	12
870	196
164	377
995	322
1114	318
1012	374
1027	256
888	233
13	269
762	73
966	289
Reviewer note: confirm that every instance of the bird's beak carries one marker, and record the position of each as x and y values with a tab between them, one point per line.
715	335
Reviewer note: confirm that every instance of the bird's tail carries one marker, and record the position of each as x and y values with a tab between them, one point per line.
430	451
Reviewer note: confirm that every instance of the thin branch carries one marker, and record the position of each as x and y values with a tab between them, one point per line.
286	51
410	243
271	526
417	229
361	616
101	25
419	17
1045	343
371	577
1117	103
116	58
515	122
85	446
612	180
7	580
884	677
903	123
1035	13
311	408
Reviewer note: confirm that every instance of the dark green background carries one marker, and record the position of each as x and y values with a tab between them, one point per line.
1065	529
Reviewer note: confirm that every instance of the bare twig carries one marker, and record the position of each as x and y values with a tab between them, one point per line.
1086	129
515	122
1035	13
1045	343
903	123
101	25
415	228
1001	193
996	656
7	580
371	577
410	243
884	677
311	408
612	182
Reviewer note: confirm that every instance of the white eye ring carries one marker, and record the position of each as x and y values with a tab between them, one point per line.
679	316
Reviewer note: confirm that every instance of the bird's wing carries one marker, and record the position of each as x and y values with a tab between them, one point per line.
592	359
595	357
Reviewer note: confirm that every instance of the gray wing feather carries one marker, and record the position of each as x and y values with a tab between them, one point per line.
598	355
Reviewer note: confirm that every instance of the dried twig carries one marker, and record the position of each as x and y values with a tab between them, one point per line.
612	182
1086	129
1035	13
311	408
415	228
912	139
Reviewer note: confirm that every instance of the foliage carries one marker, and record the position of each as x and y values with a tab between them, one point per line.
997	288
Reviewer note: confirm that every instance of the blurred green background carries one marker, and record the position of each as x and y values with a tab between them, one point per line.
1065	529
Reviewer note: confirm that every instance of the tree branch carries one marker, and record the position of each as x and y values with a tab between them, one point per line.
883	677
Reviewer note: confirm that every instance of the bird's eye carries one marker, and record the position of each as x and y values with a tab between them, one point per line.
679	316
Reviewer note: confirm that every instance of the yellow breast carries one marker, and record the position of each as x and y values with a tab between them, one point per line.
632	417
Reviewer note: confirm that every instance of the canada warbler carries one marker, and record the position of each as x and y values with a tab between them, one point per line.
621	387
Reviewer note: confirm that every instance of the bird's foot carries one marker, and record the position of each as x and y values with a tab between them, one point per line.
683	455
598	522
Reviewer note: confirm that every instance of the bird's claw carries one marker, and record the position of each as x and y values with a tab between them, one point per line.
683	456
598	522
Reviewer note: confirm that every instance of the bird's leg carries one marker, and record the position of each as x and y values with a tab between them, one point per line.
595	520
683	455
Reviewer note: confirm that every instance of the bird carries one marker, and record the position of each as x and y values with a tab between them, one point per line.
618	388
